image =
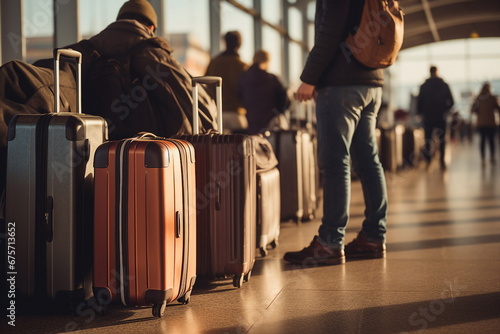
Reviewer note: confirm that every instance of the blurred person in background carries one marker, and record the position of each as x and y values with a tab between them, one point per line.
262	94
229	67
433	104
484	107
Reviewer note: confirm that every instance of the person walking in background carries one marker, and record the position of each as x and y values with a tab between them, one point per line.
229	67
433	103
349	96
484	107
262	93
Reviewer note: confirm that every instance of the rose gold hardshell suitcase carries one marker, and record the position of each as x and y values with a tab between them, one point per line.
145	222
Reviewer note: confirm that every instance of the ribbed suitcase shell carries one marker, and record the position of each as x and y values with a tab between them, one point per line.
145	222
49	198
268	209
288	145
226	195
295	149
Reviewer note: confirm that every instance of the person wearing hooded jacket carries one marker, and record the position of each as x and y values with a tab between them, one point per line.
159	97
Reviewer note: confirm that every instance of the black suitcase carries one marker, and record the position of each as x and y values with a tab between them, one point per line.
413	143
49	198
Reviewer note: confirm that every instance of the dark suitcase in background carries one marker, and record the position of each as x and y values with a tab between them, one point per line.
388	149
226	193
49	198
287	145
145	222
296	152
268	195
413	143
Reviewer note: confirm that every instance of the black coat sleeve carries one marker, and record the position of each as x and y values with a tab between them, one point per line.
331	20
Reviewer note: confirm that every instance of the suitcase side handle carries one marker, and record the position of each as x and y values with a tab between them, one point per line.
146	135
71	54
218	100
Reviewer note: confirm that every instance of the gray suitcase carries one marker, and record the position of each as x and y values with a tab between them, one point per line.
49	198
268	209
268	195
295	149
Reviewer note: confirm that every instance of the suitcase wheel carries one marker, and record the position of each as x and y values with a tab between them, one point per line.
263	251
100	310
238	281
184	299
246	278
308	218
159	309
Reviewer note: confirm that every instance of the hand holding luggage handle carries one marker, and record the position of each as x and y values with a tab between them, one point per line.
218	100
71	54
296	112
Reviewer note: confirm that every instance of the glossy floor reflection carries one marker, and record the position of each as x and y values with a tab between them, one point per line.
441	274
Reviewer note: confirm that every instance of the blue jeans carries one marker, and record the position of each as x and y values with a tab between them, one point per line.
346	121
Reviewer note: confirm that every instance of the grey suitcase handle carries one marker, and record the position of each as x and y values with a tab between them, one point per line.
218	100
71	54
295	112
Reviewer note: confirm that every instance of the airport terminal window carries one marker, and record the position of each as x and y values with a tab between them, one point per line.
187	29
271	42
95	15
234	19
311	12
271	11
39	29
296	65
247	3
295	23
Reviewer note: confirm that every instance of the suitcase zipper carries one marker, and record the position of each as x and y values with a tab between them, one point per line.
121	220
41	227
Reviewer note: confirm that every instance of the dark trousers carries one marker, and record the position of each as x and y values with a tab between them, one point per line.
435	131
487	134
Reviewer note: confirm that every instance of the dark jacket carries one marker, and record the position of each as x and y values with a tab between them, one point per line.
229	67
485	106
263	96
167	111
434	100
330	62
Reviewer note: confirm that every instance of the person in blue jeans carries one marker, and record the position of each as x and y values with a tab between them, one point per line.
348	97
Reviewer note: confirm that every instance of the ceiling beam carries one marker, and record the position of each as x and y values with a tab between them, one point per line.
454	22
414	8
430	21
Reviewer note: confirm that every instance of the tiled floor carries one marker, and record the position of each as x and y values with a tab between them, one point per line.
441	274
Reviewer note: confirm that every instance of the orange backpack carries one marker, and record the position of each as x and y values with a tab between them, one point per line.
379	36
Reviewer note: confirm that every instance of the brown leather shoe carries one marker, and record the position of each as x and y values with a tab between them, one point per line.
360	248
316	254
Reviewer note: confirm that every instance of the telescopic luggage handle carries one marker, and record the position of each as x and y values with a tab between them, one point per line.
218	100
71	54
